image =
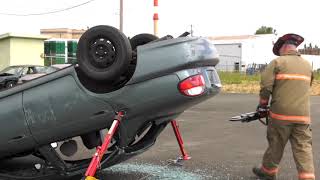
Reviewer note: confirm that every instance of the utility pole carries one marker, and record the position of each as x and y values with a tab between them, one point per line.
155	17
121	15
191	31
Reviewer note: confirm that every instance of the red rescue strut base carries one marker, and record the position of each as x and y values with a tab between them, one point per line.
176	130
95	162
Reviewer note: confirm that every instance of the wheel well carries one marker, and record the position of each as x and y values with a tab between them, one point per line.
149	134
100	86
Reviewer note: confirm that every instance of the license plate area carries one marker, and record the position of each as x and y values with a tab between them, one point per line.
213	77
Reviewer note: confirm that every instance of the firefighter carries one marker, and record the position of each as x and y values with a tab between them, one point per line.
286	82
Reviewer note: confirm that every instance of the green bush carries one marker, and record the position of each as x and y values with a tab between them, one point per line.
317	75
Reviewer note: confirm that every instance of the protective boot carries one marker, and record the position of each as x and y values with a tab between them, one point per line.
262	175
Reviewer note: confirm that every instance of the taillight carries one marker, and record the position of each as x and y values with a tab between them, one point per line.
192	86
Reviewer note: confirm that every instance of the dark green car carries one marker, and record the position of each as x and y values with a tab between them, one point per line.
153	84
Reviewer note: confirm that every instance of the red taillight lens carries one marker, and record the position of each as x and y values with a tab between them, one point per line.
192	86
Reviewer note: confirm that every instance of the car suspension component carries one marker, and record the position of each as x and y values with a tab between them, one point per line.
95	162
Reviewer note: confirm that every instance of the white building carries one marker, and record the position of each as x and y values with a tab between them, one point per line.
314	61
237	52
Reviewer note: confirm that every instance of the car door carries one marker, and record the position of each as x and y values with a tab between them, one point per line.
15	135
58	108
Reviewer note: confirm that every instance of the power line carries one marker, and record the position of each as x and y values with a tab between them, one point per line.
49	12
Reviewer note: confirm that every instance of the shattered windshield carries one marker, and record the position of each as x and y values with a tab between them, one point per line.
12	70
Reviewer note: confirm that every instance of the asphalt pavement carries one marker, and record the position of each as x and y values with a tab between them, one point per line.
220	149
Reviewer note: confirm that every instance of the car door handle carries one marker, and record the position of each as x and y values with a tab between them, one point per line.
100	113
17	138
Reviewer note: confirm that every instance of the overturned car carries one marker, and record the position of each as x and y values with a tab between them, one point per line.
152	80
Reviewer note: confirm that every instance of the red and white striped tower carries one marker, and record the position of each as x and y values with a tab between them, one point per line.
155	17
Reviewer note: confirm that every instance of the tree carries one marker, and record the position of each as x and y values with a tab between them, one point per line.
265	30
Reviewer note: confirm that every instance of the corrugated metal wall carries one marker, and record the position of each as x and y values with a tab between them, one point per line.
230	56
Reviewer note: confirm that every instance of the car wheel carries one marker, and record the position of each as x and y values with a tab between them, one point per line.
141	39
135	41
104	53
10	84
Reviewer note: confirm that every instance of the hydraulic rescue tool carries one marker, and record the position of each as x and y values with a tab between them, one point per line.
252	116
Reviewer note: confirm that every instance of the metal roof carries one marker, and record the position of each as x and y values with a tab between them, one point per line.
14	35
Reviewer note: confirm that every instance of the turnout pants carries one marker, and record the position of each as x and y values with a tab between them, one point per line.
300	137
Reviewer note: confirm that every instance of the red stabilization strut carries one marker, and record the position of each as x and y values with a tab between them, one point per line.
95	162
176	130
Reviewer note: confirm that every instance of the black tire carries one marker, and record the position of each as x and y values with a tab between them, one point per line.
10	84
141	39
92	139
104	53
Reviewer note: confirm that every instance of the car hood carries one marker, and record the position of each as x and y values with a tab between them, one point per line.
6	74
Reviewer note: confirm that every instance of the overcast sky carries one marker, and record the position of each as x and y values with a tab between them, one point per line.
208	17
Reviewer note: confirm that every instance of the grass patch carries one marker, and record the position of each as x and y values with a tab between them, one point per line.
238	78
235	82
317	76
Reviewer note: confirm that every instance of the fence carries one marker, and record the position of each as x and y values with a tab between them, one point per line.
59	59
